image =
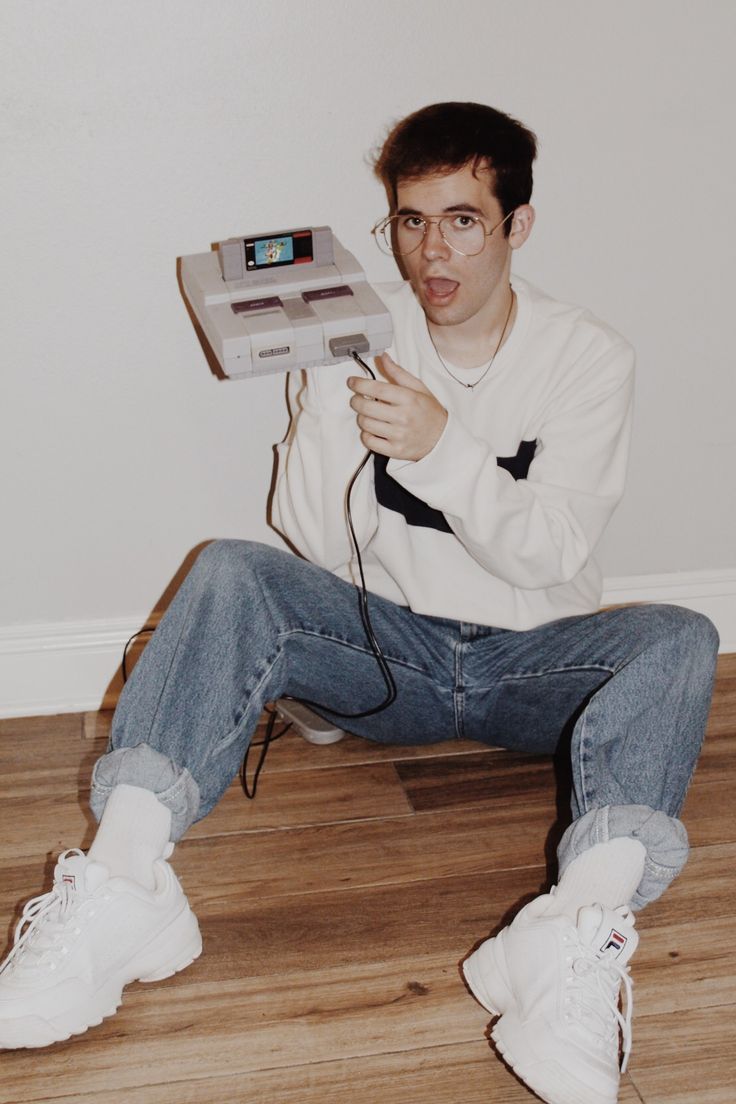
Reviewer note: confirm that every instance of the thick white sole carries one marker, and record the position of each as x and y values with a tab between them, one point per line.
172	949
487	976
551	1081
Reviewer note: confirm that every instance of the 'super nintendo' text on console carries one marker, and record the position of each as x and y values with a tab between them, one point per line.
285	300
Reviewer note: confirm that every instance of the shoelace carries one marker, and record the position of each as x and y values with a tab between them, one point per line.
42	920
596	982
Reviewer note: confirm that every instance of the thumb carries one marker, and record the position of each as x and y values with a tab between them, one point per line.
394	373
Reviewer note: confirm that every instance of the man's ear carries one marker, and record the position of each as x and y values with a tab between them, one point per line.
521	225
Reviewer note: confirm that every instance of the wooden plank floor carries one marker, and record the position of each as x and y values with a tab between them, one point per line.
335	911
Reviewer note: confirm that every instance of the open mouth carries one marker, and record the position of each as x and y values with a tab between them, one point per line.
439	290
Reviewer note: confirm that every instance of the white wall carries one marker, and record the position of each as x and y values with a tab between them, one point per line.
134	132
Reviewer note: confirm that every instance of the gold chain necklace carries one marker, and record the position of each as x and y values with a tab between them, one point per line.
488	366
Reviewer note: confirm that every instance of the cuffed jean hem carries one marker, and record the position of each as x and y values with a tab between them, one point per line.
147	768
664	837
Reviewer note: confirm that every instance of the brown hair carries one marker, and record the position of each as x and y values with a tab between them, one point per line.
446	136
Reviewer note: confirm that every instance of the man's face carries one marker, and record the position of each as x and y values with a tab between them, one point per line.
451	288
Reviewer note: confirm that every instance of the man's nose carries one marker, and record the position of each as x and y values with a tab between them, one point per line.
433	244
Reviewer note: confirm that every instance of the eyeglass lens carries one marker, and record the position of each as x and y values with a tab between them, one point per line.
403	234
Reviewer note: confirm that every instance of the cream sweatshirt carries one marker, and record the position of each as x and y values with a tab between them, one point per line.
498	523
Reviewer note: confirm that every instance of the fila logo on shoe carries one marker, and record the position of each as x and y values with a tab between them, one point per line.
70	879
615	942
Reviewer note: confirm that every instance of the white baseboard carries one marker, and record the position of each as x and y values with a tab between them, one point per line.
72	667
63	667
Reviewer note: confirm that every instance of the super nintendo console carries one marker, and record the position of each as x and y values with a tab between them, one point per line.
279	301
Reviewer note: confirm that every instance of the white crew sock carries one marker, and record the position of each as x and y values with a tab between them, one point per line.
606	874
133	833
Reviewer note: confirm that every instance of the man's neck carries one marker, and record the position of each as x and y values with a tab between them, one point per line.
473	342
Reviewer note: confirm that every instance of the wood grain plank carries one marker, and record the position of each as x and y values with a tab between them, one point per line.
318	797
679	964
55	818
686	1059
245	935
700	1081
708	813
467	1072
190	1030
680	967
722	719
48	753
496	776
718	754
339	857
57	726
396	1017
46	823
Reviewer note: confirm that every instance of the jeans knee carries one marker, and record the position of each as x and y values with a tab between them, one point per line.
228	565
230	556
236	579
221	556
694	636
691	636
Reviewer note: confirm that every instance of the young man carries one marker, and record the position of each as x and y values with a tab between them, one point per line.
499	429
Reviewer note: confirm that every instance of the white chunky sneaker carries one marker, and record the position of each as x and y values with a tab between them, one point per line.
555	985
77	946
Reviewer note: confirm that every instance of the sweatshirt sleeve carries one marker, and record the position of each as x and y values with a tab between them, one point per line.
540	531
314	466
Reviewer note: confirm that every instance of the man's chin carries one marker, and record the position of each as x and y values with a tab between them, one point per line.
442	316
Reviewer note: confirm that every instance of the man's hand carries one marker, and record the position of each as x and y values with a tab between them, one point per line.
402	418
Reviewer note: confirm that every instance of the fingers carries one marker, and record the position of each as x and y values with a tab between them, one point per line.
373	389
398	379
377	444
373	428
400	418
365	404
381	421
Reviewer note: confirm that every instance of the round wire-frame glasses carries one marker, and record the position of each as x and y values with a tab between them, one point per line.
464	233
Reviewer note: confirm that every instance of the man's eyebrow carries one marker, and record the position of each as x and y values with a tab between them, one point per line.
451	209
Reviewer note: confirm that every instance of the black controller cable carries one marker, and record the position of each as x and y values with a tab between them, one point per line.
365	617
388	678
269	737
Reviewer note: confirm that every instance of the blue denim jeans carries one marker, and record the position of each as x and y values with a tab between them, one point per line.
626	690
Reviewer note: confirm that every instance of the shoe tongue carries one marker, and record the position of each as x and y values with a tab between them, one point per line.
79	872
609	932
